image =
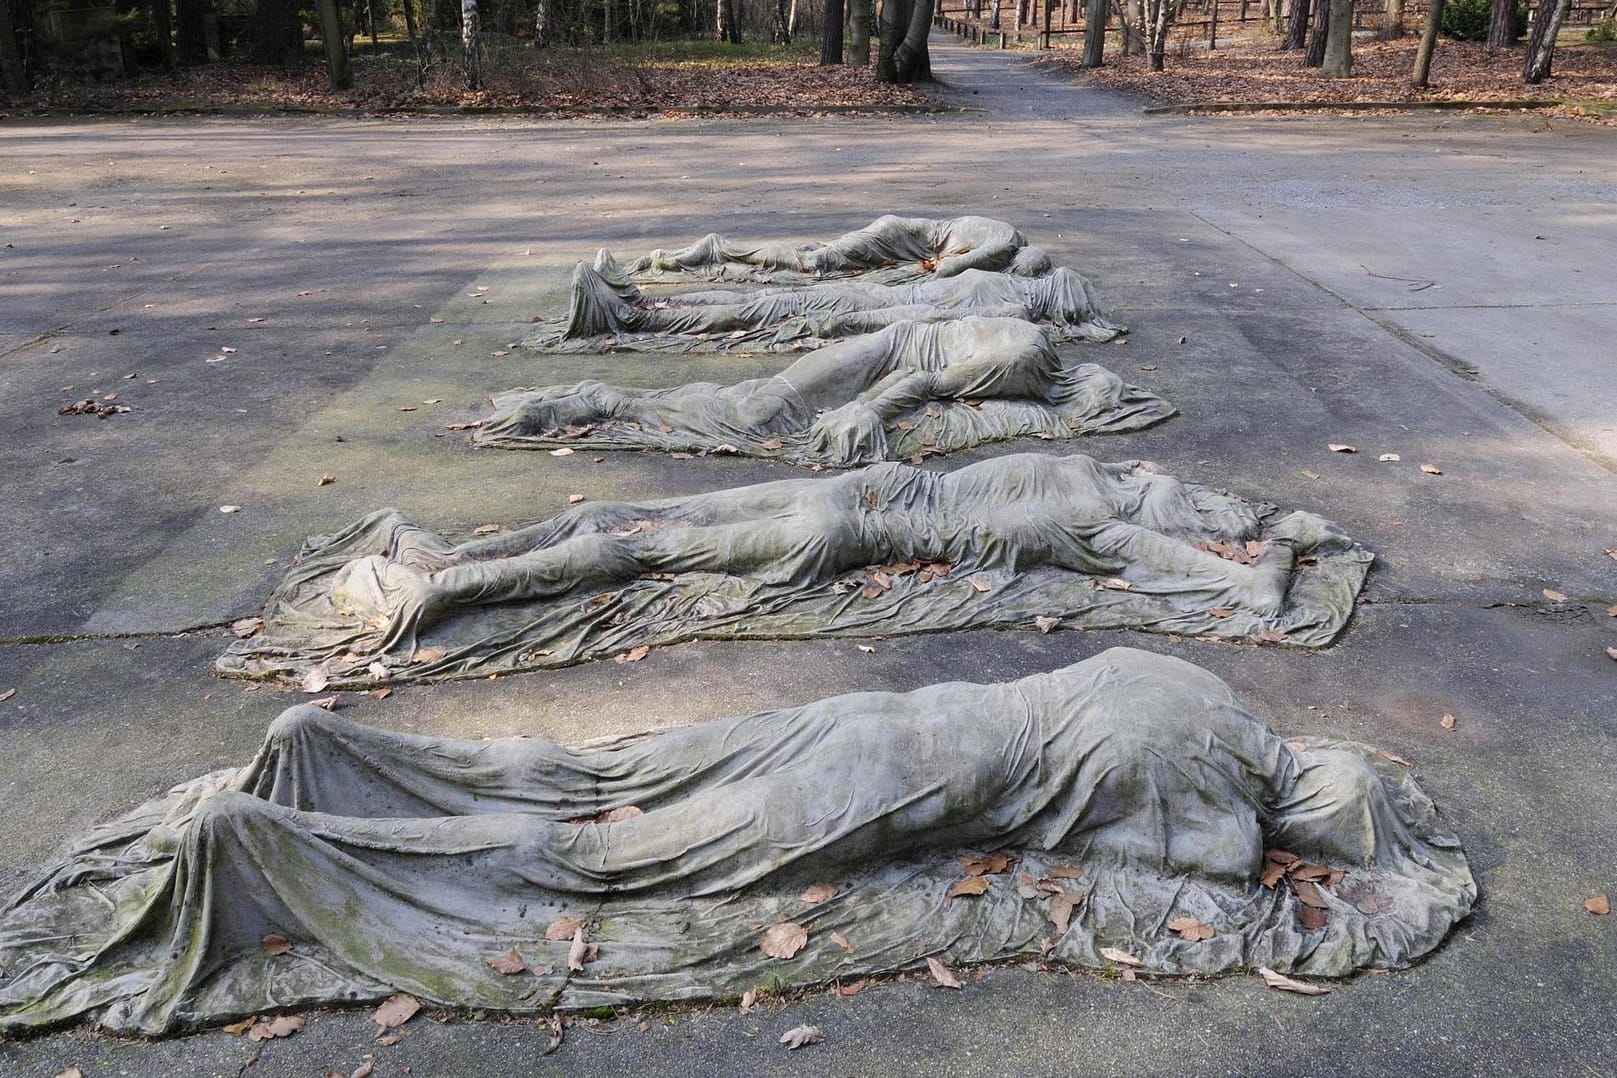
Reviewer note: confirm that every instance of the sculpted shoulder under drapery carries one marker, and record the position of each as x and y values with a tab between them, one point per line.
1132	787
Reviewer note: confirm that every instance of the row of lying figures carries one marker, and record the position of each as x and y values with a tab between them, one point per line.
1126	805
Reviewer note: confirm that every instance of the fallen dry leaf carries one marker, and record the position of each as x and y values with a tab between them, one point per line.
1115	583
1045	624
1312	918
564	451
274	944
1285	984
7	695
1447	722
633	655
246	627
486	529
380	694
1554	596
1342	447
578	953
942	976
236	1029
1061	907
556	1027
749	999
971	885
1191	929
396	1010
783	940
1611	653
326	481
992	864
424	656
510	963
1120	956
1064	872
980	584
281	1026
820	892
853	988
1310	475
574	499
316	680
1394	757
866	648
327	703
842	941
1389	458
1431	469
1600	905
796	1038
562	928
1611	611
230	509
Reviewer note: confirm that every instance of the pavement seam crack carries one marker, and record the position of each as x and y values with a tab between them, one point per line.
141	634
1453	364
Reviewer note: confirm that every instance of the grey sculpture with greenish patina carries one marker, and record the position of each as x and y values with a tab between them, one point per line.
889	548
1133	788
911	388
608	312
900	247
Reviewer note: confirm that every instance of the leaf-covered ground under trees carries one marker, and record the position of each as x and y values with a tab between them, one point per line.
682	77
1250	70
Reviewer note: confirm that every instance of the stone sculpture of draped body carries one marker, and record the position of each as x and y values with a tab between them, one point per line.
396	862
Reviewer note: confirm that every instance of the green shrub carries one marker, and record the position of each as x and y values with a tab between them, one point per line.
1603	31
1467	20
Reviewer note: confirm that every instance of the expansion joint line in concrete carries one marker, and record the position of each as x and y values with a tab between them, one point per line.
82	638
1449	362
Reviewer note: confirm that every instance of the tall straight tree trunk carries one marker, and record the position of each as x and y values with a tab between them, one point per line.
1296	24
191	33
1541	42
1318	34
831	34
471	43
1502	24
1095	33
1392	20
541	22
1339	41
859	33
331	40
609	21
163	30
1132	16
1428	45
902	55
13	76
1159	17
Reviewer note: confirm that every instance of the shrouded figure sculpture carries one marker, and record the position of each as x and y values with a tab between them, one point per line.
607	311
1003	541
393	862
910	246
852	402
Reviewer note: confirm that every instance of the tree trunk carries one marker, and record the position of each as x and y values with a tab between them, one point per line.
1541	42
859	33
902	54
471	44
163	30
609	21
277	32
1318	34
331	40
1392	20
1428	45
831	34
1296	24
1095	33
541	22
1339	41
13	76
1159	17
1502	24
191	33
1132	16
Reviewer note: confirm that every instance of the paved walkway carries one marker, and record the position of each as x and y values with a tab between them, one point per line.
1433	286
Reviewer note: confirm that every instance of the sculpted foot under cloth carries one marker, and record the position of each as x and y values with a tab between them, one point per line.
394	862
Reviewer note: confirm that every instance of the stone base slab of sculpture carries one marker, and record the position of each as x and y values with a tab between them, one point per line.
1101	809
908	390
1018	541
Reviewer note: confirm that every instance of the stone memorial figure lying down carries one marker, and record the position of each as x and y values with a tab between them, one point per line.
911	246
888	548
607	311
913	387
1112	804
